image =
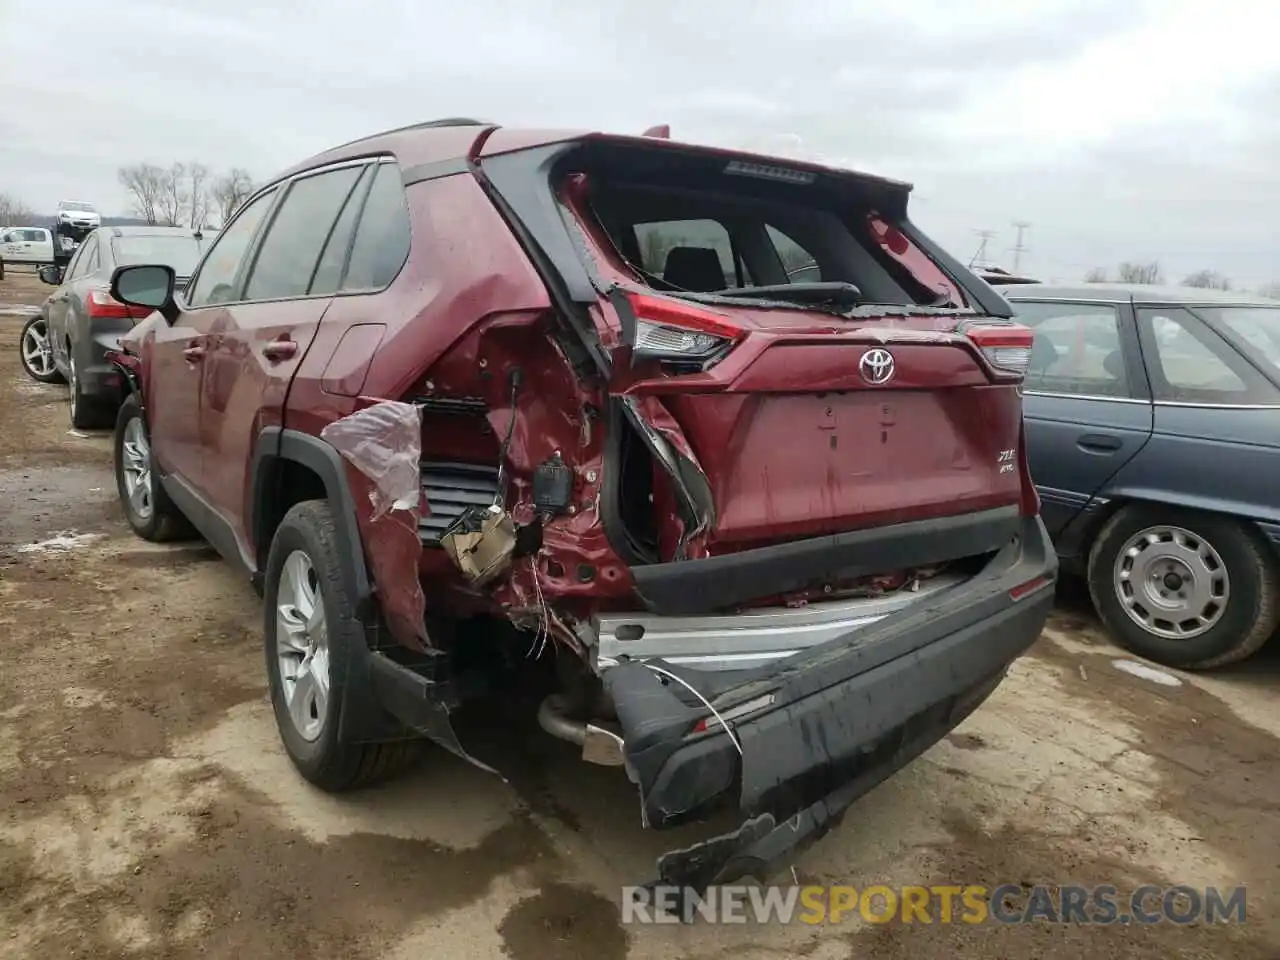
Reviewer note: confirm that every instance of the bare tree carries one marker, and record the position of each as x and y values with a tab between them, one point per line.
1148	273
185	194
13	211
1208	280
171	204
229	192
1096	275
145	183
197	194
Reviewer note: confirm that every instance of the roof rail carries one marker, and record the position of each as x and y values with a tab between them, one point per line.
454	122
424	125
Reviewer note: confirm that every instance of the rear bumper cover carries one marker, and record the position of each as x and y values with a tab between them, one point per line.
844	716
98	374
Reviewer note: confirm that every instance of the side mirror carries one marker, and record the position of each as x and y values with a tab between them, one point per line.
51	274
149	286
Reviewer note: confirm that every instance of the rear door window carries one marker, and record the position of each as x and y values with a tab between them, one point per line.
86	259
1191	363
288	255
1077	350
383	236
74	265
333	258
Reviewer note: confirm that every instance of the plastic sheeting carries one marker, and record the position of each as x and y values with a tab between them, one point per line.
384	443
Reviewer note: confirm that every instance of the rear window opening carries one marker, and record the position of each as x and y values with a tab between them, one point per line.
696	223
182	252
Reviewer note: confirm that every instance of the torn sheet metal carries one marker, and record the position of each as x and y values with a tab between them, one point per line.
384	443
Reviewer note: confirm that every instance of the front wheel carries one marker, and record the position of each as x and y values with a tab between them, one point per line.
150	512
1183	588
37	352
311	635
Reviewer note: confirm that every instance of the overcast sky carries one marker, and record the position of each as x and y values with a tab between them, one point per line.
1120	129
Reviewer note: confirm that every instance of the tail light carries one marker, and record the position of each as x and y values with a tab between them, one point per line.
722	717
1007	346
1031	586
101	305
670	330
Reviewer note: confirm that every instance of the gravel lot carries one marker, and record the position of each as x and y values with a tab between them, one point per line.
146	810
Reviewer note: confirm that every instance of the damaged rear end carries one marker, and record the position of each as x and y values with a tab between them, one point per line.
760	478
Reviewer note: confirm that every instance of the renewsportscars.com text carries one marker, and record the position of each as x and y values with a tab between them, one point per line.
1009	903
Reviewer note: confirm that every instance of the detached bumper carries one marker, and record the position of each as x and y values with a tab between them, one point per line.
828	724
99	376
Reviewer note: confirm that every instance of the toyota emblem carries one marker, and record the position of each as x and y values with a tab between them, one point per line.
876	366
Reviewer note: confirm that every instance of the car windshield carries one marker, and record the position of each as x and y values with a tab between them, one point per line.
179	252
78	205
1257	328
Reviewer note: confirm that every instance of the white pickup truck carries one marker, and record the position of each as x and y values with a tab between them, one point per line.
39	245
27	245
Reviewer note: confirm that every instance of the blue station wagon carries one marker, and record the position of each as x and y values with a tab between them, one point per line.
1153	434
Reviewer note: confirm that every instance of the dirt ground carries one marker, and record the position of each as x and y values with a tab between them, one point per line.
146	810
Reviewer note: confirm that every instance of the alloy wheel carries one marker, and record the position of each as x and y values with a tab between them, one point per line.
135	457
73	387
302	645
36	352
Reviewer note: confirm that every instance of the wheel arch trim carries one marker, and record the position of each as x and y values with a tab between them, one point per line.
275	445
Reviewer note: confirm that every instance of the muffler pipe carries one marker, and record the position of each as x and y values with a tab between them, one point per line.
553	718
598	745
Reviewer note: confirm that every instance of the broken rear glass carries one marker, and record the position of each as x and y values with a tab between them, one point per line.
707	225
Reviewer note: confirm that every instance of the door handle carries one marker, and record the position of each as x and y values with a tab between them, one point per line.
194	353
278	350
1099	442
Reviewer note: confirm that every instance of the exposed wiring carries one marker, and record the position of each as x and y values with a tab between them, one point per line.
500	497
705	702
544	621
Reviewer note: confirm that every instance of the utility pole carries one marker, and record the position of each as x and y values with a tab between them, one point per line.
986	236
1018	248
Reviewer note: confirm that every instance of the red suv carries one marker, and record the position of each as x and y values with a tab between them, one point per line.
724	439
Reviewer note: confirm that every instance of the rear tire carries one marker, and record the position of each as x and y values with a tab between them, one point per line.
1183	588
88	412
35	351
147	508
311	636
